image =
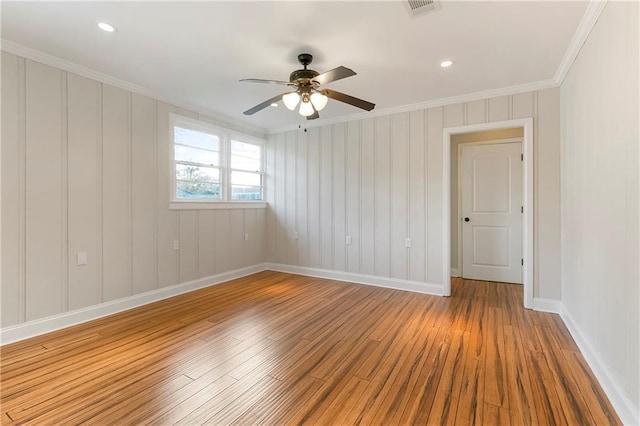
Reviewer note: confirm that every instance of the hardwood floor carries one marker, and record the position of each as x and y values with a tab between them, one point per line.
278	349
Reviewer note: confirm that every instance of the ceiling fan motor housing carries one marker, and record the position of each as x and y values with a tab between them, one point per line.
303	77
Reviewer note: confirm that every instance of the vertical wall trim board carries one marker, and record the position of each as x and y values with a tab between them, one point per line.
64	108
359	195
389	209
446	215
179	238
510	107
375	195
22	135
293	192
465	113
197	242
536	165
345	164
408	189
100	207
130	189
346	196
320	187
486	110
425	141
156	279
307	179
333	197
295	189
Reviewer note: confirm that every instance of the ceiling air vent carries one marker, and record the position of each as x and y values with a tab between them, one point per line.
421	7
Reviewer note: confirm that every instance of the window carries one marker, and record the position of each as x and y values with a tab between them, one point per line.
246	175
197	159
212	164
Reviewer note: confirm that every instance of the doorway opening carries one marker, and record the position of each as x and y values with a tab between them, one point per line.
520	130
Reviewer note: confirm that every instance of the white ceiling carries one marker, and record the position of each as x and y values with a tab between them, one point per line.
195	52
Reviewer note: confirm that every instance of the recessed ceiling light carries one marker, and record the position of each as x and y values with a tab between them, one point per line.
446	64
274	104
106	27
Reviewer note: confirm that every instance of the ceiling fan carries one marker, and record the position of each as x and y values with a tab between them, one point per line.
307	91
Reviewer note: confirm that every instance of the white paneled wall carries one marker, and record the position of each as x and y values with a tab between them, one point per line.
85	169
600	197
379	181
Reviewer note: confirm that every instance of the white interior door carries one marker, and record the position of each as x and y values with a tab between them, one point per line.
491	212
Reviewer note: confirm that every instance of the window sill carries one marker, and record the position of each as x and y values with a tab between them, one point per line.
216	205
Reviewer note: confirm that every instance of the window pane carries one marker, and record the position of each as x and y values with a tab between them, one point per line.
246	192
246	149
197	174
196	155
246	156
245	163
245	178
196	139
193	190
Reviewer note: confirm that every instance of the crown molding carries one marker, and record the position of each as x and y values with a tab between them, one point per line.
485	94
589	19
53	61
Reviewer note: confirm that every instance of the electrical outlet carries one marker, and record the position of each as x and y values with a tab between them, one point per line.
176	244
295	235
81	258
407	242
246	236
348	240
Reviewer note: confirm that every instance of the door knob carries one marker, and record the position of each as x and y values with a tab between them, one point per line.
466	219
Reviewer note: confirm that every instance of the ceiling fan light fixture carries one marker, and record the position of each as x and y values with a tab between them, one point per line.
291	100
319	100
306	109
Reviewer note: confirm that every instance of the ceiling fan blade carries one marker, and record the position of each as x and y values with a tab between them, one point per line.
263	105
347	99
334	74
313	116
258	80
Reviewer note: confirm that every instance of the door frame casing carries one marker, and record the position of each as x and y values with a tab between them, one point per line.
527	199
459	189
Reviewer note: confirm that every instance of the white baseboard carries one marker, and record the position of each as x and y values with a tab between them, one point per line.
621	403
455	272
546	305
414	286
46	325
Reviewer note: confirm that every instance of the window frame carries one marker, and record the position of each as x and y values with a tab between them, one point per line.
225	136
